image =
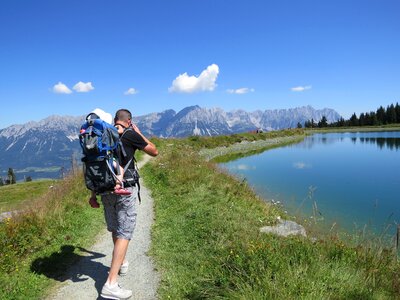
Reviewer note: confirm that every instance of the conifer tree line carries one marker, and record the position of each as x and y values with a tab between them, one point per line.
382	116
10	179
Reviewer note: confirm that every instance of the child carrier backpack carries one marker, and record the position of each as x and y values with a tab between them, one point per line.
101	146
99	141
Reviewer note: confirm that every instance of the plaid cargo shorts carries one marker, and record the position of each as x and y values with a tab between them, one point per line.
120	213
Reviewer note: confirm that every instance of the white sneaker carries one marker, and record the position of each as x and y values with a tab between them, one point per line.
124	268
115	292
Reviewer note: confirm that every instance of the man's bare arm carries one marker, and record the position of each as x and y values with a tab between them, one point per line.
150	149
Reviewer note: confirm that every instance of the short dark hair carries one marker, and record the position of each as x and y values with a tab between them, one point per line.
123	115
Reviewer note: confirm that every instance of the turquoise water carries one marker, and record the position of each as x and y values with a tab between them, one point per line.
352	177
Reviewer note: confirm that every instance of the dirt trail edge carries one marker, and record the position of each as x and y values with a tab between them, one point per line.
86	278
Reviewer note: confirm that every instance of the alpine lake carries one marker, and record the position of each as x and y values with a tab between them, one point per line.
346	181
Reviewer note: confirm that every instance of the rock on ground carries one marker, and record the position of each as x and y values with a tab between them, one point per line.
285	228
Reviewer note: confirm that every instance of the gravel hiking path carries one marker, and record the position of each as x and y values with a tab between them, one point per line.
85	279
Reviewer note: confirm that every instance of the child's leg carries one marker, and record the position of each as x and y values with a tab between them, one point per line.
119	176
119	187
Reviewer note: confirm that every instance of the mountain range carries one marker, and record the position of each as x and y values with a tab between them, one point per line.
52	142
194	120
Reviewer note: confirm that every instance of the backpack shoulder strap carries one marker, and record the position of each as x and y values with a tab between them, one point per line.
136	180
125	130
120	141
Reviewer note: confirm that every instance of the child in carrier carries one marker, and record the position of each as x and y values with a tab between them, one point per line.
119	186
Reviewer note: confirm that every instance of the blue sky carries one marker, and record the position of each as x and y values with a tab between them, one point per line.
69	57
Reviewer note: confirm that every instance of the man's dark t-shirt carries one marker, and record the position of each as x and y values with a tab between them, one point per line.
131	140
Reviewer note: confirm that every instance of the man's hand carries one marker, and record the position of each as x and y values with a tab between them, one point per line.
134	127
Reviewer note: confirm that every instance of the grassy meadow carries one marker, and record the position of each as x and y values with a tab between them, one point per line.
13	196
207	243
38	245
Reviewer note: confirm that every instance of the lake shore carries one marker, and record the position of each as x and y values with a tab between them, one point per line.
207	241
244	148
326	163
353	129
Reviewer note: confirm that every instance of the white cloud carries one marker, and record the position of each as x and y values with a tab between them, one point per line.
131	91
301	165
243	167
240	91
301	88
61	88
82	87
191	84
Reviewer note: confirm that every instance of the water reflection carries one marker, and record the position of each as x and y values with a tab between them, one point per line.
311	141
390	142
382	143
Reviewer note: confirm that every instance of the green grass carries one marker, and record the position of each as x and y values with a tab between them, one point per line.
246	148
36	169
13	196
37	246
207	244
206	142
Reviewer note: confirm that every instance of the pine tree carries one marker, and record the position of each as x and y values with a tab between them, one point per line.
354	120
367	119
391	114
381	115
11	176
323	122
373	119
299	125
362	121
1	181
397	109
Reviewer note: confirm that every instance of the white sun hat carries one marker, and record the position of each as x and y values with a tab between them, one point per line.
103	115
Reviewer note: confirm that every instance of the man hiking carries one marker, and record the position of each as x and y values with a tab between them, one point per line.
120	210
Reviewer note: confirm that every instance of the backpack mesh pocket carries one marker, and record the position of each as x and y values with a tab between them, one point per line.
98	176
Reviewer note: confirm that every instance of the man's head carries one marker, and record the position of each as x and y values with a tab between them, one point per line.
124	117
